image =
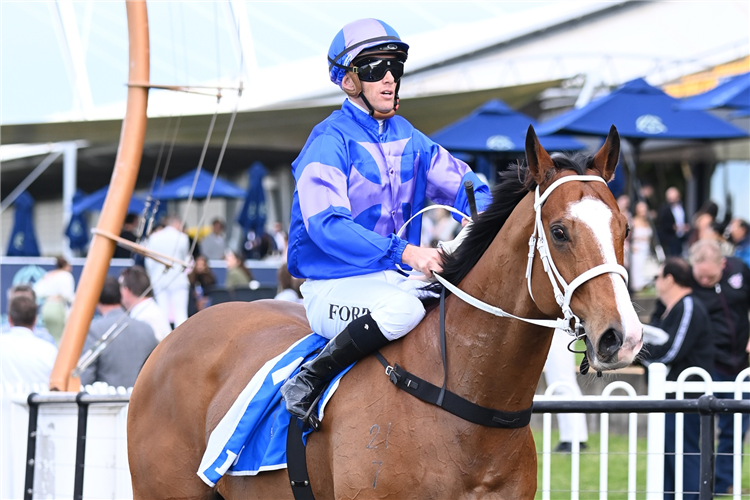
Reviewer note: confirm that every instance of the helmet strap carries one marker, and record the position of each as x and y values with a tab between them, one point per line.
373	112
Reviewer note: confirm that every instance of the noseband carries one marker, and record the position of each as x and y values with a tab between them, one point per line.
570	323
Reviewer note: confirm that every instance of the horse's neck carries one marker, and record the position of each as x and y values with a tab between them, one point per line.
494	362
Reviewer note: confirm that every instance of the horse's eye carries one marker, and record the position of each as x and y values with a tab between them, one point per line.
559	234
627	231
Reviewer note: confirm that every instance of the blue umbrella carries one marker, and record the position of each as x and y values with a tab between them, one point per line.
78	228
496	128
732	93
253	214
179	188
22	242
640	111
95	202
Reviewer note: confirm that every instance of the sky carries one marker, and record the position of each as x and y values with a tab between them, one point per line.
191	43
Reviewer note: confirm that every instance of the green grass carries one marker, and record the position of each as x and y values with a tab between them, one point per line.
589	469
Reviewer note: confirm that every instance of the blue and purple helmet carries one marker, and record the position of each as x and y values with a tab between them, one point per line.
358	36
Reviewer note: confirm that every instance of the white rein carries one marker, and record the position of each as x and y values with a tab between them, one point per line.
570	323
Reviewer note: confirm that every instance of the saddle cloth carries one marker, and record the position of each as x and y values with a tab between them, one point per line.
251	437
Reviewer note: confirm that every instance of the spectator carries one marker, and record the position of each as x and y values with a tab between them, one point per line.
279	239
670	223
640	246
288	285
238	276
129	228
134	284
24	358
723	285
561	367
684	325
739	235
214	245
171	286
201	281
121	360
56	292
27	291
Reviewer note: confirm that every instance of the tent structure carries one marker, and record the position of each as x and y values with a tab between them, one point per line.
181	187
496	128
640	112
733	93
95	202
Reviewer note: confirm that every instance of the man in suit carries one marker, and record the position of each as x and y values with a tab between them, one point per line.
121	360
670	223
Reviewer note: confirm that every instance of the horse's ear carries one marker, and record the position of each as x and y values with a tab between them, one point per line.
538	159
606	159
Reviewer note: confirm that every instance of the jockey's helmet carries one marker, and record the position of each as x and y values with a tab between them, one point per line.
375	45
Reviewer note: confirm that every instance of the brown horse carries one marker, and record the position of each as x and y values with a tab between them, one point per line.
377	441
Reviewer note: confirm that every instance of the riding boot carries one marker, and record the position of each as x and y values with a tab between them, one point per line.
361	337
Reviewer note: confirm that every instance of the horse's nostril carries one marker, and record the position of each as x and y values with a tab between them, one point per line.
609	343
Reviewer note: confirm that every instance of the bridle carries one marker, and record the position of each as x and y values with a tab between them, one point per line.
570	322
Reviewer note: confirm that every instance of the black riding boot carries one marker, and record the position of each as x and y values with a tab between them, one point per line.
361	337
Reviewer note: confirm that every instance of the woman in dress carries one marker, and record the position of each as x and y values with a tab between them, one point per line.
640	245
55	293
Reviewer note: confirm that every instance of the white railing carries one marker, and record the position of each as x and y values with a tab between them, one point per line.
107	474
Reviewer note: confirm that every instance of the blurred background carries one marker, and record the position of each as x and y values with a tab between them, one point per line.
64	74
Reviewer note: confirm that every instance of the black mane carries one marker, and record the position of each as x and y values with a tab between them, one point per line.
512	186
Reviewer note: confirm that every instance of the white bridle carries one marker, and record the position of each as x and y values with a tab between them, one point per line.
570	323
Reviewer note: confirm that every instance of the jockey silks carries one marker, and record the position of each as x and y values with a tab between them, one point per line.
355	188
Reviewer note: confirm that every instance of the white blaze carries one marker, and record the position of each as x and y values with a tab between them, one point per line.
597	216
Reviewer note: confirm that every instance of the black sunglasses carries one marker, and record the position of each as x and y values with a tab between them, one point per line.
374	69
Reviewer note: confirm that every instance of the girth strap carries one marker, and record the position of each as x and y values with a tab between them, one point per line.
296	462
452	402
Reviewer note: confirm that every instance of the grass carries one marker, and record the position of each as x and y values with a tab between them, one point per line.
589	469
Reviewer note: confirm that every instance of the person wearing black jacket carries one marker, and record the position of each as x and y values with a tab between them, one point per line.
683	323
670	223
723	285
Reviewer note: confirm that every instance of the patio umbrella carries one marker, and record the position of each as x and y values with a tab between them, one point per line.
179	188
253	214
95	202
78	228
640	112
732	93
496	128
22	241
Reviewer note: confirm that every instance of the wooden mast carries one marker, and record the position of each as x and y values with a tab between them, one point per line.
115	207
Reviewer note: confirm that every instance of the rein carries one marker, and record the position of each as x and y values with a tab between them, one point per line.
570	323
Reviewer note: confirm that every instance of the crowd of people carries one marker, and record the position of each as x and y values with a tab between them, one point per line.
656	233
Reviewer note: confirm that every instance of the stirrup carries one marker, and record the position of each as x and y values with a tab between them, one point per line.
310	417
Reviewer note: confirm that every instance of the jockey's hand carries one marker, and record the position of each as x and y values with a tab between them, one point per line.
424	260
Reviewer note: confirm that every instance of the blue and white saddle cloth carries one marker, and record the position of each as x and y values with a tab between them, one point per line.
251	437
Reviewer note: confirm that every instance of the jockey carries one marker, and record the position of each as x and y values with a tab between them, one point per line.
361	175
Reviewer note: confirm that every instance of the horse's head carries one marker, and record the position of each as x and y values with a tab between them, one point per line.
584	233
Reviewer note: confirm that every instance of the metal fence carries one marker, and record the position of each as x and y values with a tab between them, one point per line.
76	443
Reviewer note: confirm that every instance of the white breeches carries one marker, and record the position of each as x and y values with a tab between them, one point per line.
174	304
391	298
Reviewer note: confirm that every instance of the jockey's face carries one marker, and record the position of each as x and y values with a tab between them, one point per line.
380	94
